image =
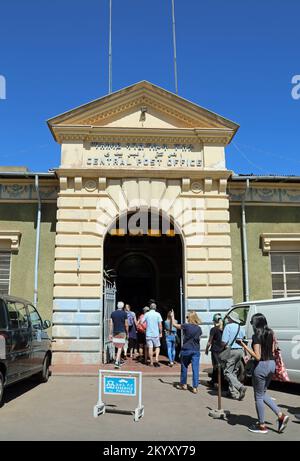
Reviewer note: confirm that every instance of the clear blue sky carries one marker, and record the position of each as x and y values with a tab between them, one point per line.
235	57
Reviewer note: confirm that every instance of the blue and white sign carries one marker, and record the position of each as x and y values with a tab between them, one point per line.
120	386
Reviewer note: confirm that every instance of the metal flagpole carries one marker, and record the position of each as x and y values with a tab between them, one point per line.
174	45
110	49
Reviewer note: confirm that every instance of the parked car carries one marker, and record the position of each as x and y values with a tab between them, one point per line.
283	316
25	347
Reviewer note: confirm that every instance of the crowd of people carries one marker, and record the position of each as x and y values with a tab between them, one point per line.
141	336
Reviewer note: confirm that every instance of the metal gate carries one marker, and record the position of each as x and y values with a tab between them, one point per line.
109	304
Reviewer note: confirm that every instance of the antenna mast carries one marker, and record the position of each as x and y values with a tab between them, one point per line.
110	49
174	46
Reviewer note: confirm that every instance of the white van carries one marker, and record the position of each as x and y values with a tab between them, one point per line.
283	316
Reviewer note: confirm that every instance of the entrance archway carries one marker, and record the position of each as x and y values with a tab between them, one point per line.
146	262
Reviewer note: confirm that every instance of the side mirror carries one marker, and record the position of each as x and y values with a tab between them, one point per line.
46	324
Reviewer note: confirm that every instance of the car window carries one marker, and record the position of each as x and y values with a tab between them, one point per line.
34	316
242	313
17	315
2	314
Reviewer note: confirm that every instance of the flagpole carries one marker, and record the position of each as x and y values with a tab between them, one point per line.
174	46
110	49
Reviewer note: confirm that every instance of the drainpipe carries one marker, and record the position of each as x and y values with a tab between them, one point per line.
245	247
37	243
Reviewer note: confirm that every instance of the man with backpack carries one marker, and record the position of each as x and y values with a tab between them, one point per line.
132	334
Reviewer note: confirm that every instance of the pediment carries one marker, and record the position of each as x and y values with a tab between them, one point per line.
142	105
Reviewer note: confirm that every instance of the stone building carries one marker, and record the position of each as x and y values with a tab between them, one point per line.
143	198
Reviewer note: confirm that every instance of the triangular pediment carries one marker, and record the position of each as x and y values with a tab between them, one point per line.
142	105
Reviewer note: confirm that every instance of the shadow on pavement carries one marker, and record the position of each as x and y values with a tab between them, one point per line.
17	390
245	421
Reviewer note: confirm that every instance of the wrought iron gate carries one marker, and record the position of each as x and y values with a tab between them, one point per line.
109	303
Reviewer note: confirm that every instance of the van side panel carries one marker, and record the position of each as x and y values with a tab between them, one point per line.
284	319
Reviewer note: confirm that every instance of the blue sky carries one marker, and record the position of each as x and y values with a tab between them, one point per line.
235	57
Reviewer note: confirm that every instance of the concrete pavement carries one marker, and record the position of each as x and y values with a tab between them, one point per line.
62	409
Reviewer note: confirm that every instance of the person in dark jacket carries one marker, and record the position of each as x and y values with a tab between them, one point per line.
215	346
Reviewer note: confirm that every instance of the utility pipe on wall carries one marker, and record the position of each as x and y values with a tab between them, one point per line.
37	243
245	246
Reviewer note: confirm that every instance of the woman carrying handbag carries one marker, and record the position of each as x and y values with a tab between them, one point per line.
263	352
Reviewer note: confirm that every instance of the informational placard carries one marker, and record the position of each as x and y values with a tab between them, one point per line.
119	383
119	386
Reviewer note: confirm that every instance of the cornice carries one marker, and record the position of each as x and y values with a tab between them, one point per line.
166	173
217	136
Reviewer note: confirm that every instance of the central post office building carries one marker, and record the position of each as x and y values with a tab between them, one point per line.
143	207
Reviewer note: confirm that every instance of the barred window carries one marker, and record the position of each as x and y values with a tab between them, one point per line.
5	259
285	268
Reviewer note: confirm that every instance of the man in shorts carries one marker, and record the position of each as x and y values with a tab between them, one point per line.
153	322
118	330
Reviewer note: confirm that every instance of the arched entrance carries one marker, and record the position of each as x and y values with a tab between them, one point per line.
145	259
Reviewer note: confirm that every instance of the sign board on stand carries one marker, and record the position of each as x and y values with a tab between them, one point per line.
121	383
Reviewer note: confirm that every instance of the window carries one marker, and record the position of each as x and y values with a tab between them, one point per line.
17	315
4	272
242	313
2	314
285	268
35	319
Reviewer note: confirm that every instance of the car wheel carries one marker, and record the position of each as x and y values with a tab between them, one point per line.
1	387
44	375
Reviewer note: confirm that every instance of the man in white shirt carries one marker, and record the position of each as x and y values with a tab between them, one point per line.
153	321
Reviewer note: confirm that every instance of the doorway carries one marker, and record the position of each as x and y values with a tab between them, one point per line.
145	265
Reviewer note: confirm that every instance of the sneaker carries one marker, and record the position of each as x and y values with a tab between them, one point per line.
117	365
258	429
243	391
157	364
282	423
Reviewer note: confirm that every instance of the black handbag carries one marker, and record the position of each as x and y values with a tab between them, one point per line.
226	353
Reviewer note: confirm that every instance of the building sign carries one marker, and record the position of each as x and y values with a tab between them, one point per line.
144	155
120	386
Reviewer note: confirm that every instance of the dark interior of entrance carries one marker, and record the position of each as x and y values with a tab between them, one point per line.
146	267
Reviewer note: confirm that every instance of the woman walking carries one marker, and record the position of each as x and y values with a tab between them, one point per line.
190	352
263	348
170	332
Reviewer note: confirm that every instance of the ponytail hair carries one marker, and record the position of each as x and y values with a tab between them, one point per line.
264	335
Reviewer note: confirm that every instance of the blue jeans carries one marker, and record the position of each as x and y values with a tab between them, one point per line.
261	379
171	345
190	357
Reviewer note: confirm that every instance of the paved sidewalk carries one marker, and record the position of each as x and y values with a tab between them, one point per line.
129	365
62	409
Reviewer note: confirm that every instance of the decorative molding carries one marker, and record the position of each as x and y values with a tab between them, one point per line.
264	195
102	184
90	185
169	110
197	187
78	183
222	186
208	185
63	182
186	184
280	242
26	192
10	240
